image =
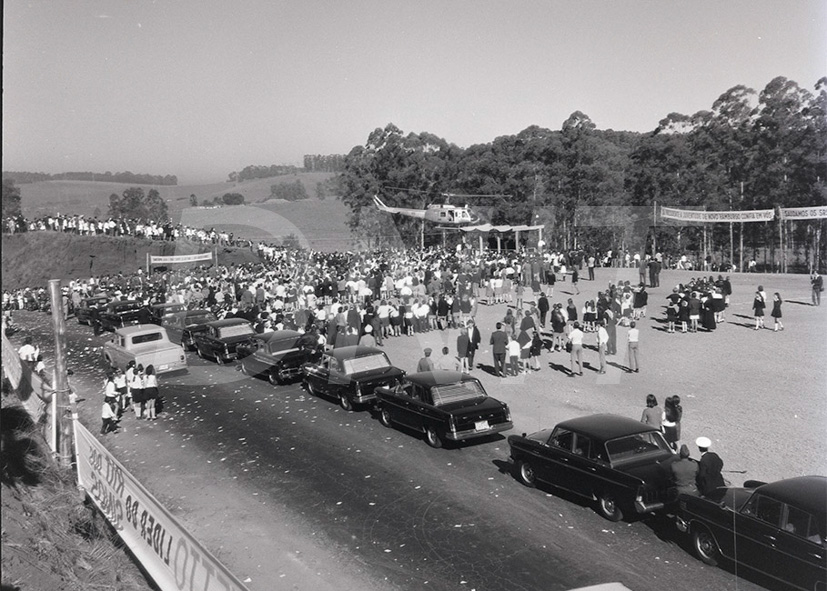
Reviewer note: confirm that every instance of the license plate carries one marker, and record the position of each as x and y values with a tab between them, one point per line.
481	425
162	367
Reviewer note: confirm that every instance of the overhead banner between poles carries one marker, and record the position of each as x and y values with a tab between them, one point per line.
180	258
804	213
701	216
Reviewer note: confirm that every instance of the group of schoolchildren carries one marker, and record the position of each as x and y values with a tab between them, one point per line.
135	388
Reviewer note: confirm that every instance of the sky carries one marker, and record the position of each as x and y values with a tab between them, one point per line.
201	88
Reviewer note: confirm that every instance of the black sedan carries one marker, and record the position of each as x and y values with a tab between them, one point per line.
351	375
617	461
119	314
777	529
278	356
88	309
444	405
182	326
220	338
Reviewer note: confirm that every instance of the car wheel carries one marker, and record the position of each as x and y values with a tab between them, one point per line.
244	369
432	438
385	416
219	360
274	378
706	548
345	402
608	507
309	387
199	353
525	472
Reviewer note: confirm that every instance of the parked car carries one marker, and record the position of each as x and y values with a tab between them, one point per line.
619	462
444	405
147	344
279	355
351	375
119	314
221	337
182	326
88	309
157	312
777	529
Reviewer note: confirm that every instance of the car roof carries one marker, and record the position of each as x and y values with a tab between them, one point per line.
353	351
138	329
806	492
167	305
228	322
606	426
280	335
439	378
124	302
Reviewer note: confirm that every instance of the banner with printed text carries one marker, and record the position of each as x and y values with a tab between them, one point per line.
804	213
172	557
702	216
180	258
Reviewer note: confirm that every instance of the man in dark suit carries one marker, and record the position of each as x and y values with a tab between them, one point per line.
709	468
474	339
543	307
498	342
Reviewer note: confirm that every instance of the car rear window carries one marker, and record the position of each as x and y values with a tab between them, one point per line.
146	338
194	319
239	330
469	390
366	363
633	447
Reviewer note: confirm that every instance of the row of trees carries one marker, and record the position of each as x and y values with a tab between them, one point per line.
133	203
294	191
328	163
108	177
261	172
749	151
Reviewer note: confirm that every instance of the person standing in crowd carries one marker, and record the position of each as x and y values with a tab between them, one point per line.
590	264
709	468
817	283
602	342
694	311
776	312
576	340
426	363
672	415
575	279
513	350
652	414
524	340
150	392
120	386
498	342
463	343
611	328
558	327
543	307
758	304
136	387
446	362
685	473
633	338
640	301
474	340
535	350
110	391
108	417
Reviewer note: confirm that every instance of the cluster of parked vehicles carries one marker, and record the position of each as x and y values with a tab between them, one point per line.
619	464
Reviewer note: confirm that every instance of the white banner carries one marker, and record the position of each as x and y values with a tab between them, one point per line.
804	213
11	361
699	215
172	557
180	258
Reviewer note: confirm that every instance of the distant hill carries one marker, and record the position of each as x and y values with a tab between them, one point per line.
319	224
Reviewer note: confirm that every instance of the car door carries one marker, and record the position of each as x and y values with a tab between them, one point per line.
174	328
584	471
800	557
554	466
317	375
400	403
757	530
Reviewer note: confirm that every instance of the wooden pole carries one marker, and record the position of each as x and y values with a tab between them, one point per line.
61	380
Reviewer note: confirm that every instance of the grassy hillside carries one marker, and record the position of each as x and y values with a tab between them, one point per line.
319	224
31	259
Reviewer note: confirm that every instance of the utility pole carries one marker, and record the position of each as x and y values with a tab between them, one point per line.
60	387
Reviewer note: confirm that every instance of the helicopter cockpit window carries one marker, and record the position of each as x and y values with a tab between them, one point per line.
442	214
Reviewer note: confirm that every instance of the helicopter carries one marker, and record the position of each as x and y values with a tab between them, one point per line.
441	213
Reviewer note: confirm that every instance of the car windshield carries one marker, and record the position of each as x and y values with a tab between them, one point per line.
193	319
467	390
238	330
366	363
633	447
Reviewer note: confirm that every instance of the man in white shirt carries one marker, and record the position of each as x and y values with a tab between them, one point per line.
633	337
576	340
602	340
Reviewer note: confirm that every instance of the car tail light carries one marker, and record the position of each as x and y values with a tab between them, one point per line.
452	424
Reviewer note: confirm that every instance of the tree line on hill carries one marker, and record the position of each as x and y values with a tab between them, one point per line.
312	163
22	178
749	151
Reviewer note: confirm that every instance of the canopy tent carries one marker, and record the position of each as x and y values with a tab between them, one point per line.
487	228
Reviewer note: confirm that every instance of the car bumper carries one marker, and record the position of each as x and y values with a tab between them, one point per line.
363	398
472	433
644	507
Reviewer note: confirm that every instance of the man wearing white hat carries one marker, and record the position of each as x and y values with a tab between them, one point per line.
709	467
